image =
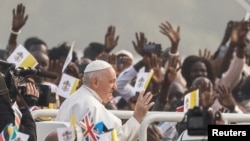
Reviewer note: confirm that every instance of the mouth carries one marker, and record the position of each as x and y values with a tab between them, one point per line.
111	97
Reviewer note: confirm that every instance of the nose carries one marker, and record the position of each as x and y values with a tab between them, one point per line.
115	86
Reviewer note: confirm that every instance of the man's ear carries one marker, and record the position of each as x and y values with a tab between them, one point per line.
94	82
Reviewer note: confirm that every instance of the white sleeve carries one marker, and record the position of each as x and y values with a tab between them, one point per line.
123	83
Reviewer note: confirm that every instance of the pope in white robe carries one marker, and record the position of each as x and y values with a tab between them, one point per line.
86	105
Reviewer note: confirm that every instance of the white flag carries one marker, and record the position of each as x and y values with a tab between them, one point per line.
142	81
191	100
21	57
69	57
22	137
67	85
66	134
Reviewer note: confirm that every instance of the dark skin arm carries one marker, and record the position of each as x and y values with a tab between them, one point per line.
225	38
154	63
225	97
110	40
141	40
168	79
174	36
18	21
238	36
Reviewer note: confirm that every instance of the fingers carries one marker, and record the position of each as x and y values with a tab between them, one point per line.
178	29
200	54
32	90
169	25
147	98
19	8
13	12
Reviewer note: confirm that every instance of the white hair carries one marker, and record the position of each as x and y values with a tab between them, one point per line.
88	76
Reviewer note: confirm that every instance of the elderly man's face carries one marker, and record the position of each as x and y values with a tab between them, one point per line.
106	85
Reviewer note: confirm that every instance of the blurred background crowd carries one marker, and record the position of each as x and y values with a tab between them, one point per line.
189	45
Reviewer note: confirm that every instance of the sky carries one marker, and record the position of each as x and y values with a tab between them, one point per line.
202	22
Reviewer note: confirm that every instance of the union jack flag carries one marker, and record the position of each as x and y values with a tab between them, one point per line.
88	127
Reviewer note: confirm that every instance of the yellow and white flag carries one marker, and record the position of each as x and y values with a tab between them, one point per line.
142	81
68	84
69	57
191	100
21	57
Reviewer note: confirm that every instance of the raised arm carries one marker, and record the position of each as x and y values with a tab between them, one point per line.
141	40
174	36
111	40
18	21
238	36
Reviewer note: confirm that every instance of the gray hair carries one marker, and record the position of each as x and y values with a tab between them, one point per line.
88	76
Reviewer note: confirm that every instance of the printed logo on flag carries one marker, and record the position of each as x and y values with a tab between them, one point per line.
66	134
142	81
67	85
21	57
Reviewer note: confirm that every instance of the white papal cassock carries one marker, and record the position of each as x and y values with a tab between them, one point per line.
85	101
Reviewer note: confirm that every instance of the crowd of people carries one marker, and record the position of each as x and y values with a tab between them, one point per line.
107	80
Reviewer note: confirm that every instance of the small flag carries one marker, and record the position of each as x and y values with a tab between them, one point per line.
73	124
142	81
114	135
22	137
21	57
9	132
88	128
65	134
18	115
247	16
67	85
69	57
191	100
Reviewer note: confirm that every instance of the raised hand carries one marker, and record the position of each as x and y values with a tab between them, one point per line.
73	70
141	40
112	61
19	18
239	32
110	40
143	104
169	77
56	67
18	21
206	54
228	32
156	67
174	36
172	69
225	97
207	96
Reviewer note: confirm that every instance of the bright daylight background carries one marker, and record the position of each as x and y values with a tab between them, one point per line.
202	22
